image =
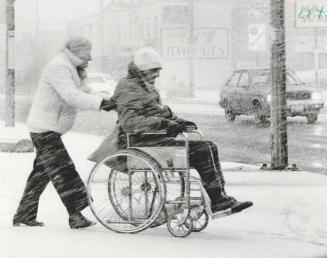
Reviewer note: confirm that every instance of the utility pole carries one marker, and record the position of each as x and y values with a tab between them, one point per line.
279	148
10	65
191	43
102	36
37	38
316	52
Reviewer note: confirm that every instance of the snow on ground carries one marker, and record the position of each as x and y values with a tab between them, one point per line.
288	218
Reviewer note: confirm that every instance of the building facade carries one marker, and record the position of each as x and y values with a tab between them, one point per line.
226	35
164	26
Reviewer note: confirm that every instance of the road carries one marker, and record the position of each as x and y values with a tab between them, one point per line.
306	140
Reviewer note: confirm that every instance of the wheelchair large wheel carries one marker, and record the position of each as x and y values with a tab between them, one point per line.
126	191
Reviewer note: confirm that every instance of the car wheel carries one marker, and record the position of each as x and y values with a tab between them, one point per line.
229	115
312	118
256	105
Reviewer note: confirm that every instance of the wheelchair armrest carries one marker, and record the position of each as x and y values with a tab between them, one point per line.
155	132
149	133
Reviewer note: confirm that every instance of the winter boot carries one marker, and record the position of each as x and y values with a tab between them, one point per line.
231	204
77	220
32	223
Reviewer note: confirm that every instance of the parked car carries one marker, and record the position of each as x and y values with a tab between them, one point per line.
248	92
102	83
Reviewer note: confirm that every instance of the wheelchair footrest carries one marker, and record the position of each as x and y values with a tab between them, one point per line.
221	214
236	209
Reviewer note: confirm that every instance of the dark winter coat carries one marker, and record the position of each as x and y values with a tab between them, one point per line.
136	101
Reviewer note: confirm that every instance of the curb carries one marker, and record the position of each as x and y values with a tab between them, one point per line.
17	146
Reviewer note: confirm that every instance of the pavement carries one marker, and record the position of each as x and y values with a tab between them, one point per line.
288	218
11	139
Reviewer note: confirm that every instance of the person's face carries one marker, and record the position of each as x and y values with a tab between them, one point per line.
85	55
150	76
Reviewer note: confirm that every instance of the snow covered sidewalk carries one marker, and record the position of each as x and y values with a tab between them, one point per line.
288	218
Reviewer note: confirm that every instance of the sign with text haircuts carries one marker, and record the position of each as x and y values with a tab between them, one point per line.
208	43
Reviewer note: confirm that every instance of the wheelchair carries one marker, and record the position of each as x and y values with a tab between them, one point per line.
137	188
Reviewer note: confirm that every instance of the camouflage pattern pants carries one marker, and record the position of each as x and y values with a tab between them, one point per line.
52	163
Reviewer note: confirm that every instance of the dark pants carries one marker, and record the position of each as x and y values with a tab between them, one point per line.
52	163
203	156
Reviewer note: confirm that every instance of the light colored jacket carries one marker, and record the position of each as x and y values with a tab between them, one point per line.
59	96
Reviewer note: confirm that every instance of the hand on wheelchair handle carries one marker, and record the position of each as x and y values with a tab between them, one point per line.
82	72
107	105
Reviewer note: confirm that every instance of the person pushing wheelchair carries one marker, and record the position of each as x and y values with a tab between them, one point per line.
140	110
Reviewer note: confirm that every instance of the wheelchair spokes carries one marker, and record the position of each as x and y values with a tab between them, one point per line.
130	199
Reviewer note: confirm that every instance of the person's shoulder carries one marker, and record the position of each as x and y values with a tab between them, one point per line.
127	84
58	61
58	66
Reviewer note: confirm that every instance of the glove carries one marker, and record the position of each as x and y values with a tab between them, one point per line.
189	125
107	105
173	128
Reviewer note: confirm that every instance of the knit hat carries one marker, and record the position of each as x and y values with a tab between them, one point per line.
147	59
77	44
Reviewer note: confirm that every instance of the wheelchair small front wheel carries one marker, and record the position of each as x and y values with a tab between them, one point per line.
200	219
175	225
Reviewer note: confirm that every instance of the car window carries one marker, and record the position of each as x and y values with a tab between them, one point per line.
95	80
261	77
233	81
244	80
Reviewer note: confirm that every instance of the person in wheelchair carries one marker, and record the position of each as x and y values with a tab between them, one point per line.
140	110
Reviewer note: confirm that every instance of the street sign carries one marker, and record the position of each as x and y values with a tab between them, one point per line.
311	13
209	43
257	37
